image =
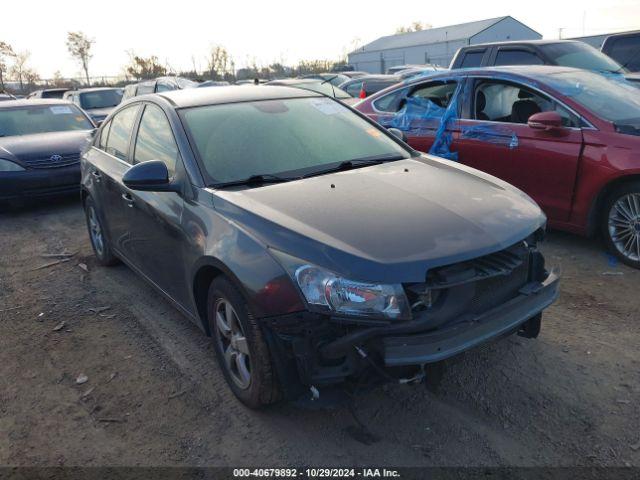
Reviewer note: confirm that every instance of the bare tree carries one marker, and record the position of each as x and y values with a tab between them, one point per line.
314	66
30	76
414	27
19	69
219	62
6	52
79	46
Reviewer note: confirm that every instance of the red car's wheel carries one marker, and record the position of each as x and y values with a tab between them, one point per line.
621	223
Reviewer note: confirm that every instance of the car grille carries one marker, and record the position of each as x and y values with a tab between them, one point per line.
474	286
493	291
53	161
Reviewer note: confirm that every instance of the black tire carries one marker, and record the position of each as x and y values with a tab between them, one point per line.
614	239
102	251
262	388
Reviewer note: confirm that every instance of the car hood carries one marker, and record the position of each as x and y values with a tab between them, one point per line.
389	222
30	147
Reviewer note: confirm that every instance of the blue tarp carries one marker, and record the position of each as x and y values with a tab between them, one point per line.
491	133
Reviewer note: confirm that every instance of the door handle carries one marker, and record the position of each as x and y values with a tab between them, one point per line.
97	175
128	198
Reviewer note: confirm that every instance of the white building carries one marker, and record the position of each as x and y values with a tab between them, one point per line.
436	45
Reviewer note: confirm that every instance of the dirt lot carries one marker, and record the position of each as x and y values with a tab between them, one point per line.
155	396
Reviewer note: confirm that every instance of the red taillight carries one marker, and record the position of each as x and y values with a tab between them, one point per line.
363	92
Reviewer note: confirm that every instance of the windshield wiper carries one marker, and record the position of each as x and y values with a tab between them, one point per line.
259	179
355	163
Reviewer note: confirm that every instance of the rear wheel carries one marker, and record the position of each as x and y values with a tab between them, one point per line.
621	223
241	350
98	239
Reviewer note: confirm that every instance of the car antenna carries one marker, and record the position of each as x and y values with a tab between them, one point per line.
332	87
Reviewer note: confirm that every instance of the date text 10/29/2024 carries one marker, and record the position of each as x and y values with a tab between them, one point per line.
315	473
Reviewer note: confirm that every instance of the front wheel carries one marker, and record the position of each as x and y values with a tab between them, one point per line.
240	347
621	223
98	239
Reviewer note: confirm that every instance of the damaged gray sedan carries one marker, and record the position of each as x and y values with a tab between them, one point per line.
313	246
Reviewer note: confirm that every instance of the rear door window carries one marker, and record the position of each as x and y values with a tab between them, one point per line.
120	132
517	57
439	93
391	102
472	59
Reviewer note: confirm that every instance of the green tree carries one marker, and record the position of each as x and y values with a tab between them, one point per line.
79	46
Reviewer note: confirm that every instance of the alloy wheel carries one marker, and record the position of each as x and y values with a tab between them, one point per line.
624	226
233	343
95	231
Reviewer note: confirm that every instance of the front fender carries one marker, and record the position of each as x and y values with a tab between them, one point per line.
229	249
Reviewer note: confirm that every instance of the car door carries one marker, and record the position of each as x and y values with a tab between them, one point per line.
417	110
156	234
109	166
493	136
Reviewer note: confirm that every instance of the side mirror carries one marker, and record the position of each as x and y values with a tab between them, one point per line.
397	133
151	176
545	121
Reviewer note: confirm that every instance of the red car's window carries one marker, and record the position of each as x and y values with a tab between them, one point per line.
512	103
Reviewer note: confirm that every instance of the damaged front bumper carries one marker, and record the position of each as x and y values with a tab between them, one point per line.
443	343
318	350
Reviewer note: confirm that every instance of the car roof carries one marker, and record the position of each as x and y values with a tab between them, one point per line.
521	42
373	78
296	81
193	97
23	102
60	89
378	77
95	89
537	71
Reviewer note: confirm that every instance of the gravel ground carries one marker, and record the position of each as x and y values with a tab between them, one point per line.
154	395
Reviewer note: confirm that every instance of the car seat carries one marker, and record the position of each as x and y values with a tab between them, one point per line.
523	108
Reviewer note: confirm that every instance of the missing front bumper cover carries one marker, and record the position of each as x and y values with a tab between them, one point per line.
311	349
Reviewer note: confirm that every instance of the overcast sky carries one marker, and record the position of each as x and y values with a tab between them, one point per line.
268	31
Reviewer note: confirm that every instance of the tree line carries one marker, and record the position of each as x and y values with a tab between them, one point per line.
219	65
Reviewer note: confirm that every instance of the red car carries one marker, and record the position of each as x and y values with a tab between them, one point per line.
569	138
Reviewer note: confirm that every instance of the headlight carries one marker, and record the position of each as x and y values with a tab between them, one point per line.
8	166
326	290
